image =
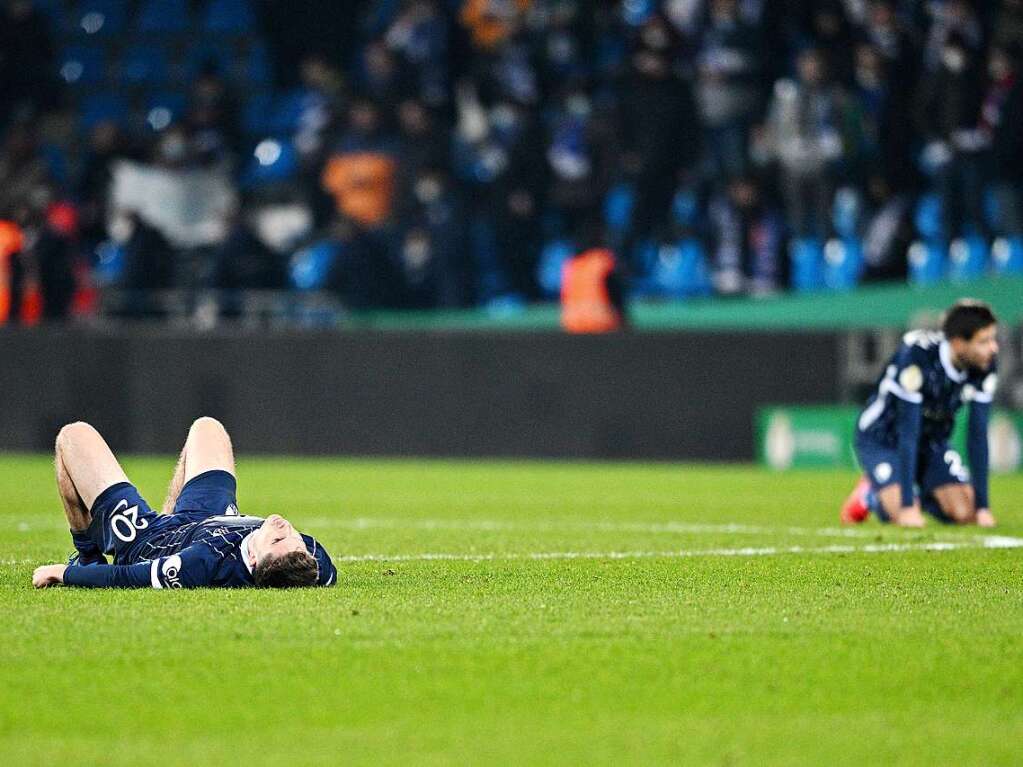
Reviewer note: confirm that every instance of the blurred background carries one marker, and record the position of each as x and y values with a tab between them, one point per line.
366	220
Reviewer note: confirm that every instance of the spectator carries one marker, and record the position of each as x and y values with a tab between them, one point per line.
1001	118
804	135
947	113
728	94
27	84
360	174
747	240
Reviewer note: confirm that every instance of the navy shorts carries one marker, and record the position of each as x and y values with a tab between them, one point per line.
122	520
937	464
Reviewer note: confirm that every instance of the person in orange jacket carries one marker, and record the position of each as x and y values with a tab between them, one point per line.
592	293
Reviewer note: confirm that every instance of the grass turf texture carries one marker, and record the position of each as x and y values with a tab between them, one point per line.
840	658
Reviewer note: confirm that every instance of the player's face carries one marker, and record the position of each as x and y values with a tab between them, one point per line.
980	350
275	537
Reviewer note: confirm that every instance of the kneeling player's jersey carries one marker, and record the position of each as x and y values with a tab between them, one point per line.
921	372
204	543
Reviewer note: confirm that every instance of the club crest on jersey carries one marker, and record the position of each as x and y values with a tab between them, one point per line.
911	379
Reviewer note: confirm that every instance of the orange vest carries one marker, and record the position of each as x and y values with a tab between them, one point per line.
11	242
585	302
362	184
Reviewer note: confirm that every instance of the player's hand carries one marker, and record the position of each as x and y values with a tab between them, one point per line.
48	575
910	516
985	518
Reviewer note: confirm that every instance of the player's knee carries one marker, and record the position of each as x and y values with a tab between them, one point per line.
71	432
207	424
961	511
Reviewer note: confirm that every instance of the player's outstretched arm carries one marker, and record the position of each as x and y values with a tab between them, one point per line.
48	575
977	451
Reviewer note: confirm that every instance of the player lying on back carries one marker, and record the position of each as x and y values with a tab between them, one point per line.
902	436
198	540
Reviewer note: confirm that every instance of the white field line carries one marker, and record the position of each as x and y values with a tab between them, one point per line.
653	528
980	542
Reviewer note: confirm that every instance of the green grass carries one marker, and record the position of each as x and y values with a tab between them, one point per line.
909	657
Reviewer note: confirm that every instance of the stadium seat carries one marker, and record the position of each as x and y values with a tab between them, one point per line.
162	109
310	267
228	17
807	264
553	256
203	54
144	65
256	114
681	270
618	205
1007	255
101	107
102	18
926	262
843	263
272	160
82	65
253	66
967	258
685	209
162	17
927	217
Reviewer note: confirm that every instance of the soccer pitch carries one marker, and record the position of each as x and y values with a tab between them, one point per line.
502	612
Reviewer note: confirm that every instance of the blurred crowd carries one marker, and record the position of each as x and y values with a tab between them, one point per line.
462	149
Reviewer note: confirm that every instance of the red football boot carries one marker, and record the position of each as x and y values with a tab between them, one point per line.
854	510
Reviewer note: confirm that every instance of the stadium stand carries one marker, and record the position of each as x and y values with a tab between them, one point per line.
712	167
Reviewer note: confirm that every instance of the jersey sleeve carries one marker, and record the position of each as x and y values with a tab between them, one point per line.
906	380
191	568
980	398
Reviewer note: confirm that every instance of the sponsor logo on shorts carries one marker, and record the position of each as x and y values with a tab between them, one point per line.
883	472
171	572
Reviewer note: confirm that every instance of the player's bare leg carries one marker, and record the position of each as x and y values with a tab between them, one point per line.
957	502
891	501
85	468
207	447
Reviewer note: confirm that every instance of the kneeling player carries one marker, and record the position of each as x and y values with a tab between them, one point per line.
198	540
902	435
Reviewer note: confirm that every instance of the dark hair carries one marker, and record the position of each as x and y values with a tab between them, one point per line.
965	317
296	568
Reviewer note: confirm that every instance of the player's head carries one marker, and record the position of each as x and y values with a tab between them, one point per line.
972	329
279	557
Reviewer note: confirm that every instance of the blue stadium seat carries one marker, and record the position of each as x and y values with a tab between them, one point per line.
1007	255
552	258
807	259
102	18
310	267
272	160
82	65
843	263
926	262
253	66
967	258
203	54
618	205
160	17
162	109
928	217
144	65
101	107
256	114
229	17
681	270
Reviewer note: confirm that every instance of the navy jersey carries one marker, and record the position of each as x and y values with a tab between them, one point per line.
205	543
914	406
